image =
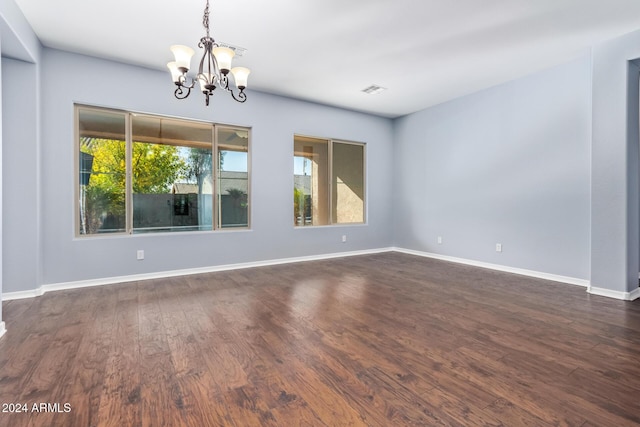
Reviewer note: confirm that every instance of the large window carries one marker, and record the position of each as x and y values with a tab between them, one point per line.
329	181
140	173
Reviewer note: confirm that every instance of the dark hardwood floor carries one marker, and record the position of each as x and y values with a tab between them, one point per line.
378	340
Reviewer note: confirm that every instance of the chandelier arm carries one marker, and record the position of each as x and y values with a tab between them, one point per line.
204	41
207	43
181	94
224	82
183	82
241	95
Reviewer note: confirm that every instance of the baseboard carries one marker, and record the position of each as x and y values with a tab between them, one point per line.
8	296
2	329
626	296
173	273
523	272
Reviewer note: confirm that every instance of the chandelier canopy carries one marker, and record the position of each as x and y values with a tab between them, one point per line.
213	71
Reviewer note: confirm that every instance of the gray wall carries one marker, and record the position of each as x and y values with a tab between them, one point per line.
21	176
508	165
69	78
614	209
19	43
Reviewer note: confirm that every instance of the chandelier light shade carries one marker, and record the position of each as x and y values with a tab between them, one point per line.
213	70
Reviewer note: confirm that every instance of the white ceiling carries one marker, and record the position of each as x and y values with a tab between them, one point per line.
424	51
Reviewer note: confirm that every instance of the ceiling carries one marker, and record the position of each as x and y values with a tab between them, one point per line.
423	51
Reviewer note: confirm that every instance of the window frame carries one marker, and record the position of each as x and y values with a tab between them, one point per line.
129	208
330	145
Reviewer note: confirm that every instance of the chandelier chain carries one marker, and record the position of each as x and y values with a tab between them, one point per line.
205	18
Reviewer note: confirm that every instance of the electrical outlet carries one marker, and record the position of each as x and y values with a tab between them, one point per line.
498	247
439	240
140	254
344	238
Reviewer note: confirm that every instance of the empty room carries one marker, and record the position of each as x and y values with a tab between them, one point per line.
320	213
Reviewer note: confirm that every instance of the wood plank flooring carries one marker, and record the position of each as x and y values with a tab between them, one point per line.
378	340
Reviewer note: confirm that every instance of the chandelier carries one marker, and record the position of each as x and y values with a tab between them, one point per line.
213	71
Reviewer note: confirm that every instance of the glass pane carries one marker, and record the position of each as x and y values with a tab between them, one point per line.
102	170
233	177
348	183
172	183
310	188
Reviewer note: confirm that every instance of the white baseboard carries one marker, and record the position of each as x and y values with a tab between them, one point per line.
2	329
173	273
626	296
8	296
523	272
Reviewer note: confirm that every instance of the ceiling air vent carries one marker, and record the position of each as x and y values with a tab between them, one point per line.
239	51
374	89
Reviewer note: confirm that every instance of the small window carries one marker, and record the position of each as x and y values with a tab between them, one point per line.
102	151
141	173
329	182
233	177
